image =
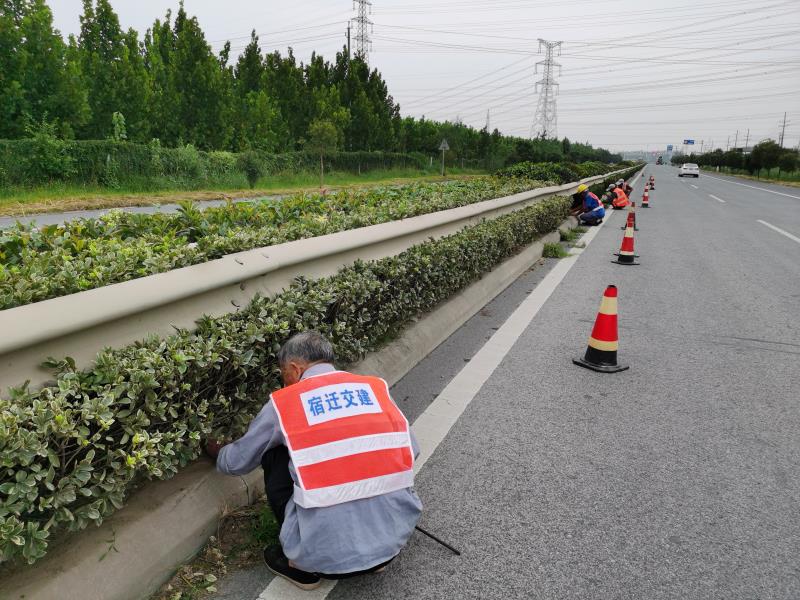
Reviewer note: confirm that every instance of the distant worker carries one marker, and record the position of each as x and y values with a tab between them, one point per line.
338	459
608	197
626	187
620	200
587	207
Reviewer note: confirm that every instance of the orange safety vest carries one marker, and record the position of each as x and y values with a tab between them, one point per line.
346	438
621	200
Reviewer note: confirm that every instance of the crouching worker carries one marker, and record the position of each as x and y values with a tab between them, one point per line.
338	460
587	207
621	198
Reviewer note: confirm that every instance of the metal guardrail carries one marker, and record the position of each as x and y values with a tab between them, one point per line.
80	325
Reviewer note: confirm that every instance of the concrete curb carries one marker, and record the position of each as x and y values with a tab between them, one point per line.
162	526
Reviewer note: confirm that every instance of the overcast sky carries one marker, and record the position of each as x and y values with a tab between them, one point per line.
635	75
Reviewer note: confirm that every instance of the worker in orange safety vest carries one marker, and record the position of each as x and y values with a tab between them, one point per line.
338	458
621	200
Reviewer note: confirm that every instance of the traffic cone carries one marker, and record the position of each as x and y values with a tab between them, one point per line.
631	215
646	198
625	256
652	182
601	353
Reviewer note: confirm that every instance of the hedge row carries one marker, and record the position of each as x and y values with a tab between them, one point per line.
556	172
41	263
106	162
72	451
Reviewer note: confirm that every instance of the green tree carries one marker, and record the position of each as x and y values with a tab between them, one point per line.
324	138
119	134
787	162
249	71
203	101
765	155
36	79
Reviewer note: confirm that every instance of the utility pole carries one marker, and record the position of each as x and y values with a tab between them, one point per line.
348	41
363	28
545	123
736	142
702	143
728	144
783	129
488	119
747	139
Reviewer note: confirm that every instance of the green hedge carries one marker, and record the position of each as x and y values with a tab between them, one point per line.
557	173
111	163
72	451
47	262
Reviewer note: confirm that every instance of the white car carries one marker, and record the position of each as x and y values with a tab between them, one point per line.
689	170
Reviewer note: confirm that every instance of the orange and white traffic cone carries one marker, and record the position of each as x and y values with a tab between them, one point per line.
646	198
601	353
631	217
626	256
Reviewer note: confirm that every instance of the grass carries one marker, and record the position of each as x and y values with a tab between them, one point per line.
791	179
554	250
57	197
571	235
241	536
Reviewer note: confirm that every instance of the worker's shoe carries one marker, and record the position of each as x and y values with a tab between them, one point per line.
277	562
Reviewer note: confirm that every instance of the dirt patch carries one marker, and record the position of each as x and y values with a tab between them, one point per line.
241	536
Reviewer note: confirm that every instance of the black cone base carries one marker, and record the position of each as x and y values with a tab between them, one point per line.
582	362
619	262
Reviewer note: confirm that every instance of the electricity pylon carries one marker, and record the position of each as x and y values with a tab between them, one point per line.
545	123
363	29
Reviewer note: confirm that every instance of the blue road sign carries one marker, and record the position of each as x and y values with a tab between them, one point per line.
688	142
669	147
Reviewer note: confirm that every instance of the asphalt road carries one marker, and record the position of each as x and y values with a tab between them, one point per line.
676	479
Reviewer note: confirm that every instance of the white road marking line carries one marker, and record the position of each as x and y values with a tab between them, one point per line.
781	231
754	187
435	423
280	588
717	199
694	186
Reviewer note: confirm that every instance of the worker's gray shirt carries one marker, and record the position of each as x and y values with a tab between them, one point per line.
343	538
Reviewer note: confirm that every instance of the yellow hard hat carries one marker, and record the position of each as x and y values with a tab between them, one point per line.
582	188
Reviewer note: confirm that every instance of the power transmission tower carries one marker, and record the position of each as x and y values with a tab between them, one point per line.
545	123
363	29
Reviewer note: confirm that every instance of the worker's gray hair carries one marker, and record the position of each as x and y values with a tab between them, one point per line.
308	346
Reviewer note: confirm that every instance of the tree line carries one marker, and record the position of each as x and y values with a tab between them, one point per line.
765	155
107	83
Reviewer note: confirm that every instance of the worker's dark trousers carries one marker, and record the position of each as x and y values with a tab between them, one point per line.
280	487
278	482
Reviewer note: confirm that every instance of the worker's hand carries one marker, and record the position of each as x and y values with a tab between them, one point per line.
213	447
